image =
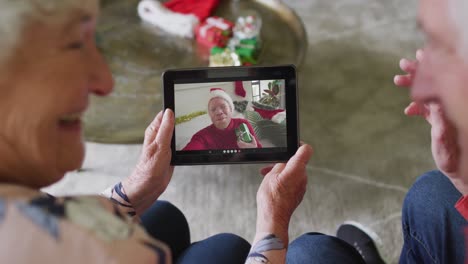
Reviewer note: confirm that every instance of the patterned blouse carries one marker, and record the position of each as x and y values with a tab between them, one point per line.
39	228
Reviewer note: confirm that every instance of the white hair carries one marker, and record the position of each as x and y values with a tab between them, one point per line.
15	15
458	12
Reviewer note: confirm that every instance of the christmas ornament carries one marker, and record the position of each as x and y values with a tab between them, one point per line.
215	31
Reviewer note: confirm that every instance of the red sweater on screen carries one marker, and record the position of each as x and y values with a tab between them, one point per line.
211	137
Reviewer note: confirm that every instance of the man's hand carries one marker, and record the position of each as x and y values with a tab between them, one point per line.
153	171
280	193
243	145
443	134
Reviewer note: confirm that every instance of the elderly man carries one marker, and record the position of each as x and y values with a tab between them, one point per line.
435	210
221	134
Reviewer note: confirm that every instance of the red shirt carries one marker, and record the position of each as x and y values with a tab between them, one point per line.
462	208
211	137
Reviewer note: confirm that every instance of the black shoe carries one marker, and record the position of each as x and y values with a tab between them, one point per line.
361	239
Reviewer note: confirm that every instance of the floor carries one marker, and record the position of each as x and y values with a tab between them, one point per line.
367	153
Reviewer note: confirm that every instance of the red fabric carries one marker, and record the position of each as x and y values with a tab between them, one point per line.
200	8
267	114
462	206
210	35
240	91
212	138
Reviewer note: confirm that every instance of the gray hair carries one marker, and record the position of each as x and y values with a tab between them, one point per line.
16	14
458	12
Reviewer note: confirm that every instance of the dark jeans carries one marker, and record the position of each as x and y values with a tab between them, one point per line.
166	223
322	249
433	229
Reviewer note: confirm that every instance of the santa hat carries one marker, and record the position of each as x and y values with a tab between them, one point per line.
177	17
200	8
220	93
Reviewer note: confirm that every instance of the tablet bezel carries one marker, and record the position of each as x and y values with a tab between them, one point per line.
230	74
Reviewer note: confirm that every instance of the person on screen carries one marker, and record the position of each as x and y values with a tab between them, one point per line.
225	132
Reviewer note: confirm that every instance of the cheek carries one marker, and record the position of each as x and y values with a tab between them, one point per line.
454	95
33	137
464	155
31	126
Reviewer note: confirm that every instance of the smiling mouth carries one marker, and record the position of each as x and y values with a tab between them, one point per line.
71	121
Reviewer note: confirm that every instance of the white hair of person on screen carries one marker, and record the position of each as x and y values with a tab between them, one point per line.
221	134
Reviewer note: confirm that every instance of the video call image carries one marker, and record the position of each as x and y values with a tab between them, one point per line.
233	116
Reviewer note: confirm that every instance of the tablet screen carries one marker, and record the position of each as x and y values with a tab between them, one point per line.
233	114
230	117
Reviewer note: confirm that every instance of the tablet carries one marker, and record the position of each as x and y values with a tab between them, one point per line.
228	115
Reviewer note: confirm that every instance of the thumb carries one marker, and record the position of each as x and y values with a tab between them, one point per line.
298	162
166	130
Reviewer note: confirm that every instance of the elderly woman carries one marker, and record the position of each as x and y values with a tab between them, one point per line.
225	132
49	66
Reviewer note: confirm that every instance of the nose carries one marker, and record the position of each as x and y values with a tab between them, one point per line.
101	80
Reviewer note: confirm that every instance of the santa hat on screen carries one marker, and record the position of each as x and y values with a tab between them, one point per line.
220	93
177	17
